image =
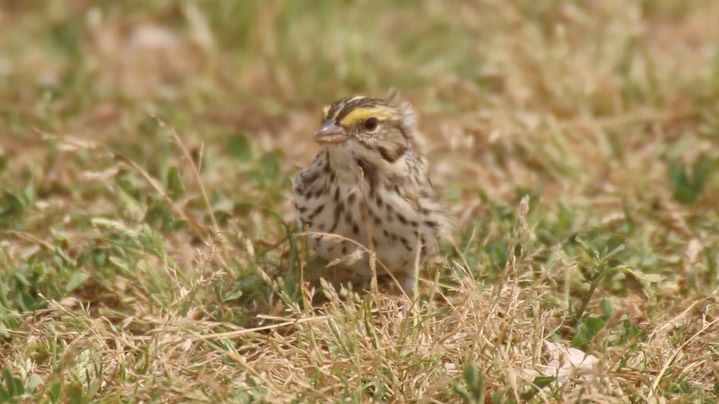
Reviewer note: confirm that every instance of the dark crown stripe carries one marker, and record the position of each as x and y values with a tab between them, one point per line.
340	109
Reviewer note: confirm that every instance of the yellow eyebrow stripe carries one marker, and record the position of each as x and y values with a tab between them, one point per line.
361	114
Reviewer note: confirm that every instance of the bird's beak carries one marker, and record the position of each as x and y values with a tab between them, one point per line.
331	133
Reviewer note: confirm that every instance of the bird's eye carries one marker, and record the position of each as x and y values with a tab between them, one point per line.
371	124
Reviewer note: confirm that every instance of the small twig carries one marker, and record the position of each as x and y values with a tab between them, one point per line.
29	237
587	298
196	173
301	250
239	333
461	253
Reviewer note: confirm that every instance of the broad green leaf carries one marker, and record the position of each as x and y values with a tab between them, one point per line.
76	279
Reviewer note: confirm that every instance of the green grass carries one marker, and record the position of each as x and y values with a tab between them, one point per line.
148	250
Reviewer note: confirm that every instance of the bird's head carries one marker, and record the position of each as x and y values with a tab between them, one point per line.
369	126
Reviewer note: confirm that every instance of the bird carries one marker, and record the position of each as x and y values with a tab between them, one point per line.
367	192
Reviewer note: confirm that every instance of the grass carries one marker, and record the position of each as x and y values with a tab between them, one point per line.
148	250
